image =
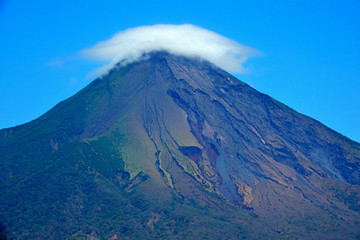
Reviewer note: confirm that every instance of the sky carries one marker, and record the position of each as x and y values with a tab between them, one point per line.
309	61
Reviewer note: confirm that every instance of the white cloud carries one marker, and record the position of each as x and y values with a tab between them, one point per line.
186	40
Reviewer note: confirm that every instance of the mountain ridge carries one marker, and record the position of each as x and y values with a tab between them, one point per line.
182	131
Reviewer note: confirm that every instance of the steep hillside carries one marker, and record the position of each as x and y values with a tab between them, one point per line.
174	147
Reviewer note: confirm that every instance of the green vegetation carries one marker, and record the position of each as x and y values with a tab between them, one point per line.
82	191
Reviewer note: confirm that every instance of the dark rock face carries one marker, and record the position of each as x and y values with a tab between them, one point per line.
192	152
168	145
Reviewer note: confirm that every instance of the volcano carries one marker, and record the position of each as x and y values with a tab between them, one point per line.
173	147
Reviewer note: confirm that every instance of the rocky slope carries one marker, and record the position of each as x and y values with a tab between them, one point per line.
174	147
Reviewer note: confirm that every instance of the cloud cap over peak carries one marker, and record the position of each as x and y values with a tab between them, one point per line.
187	40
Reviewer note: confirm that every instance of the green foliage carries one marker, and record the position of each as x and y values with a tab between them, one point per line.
81	191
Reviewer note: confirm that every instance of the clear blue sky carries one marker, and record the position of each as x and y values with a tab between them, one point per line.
310	62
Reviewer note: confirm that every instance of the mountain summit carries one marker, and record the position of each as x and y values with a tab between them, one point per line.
175	147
